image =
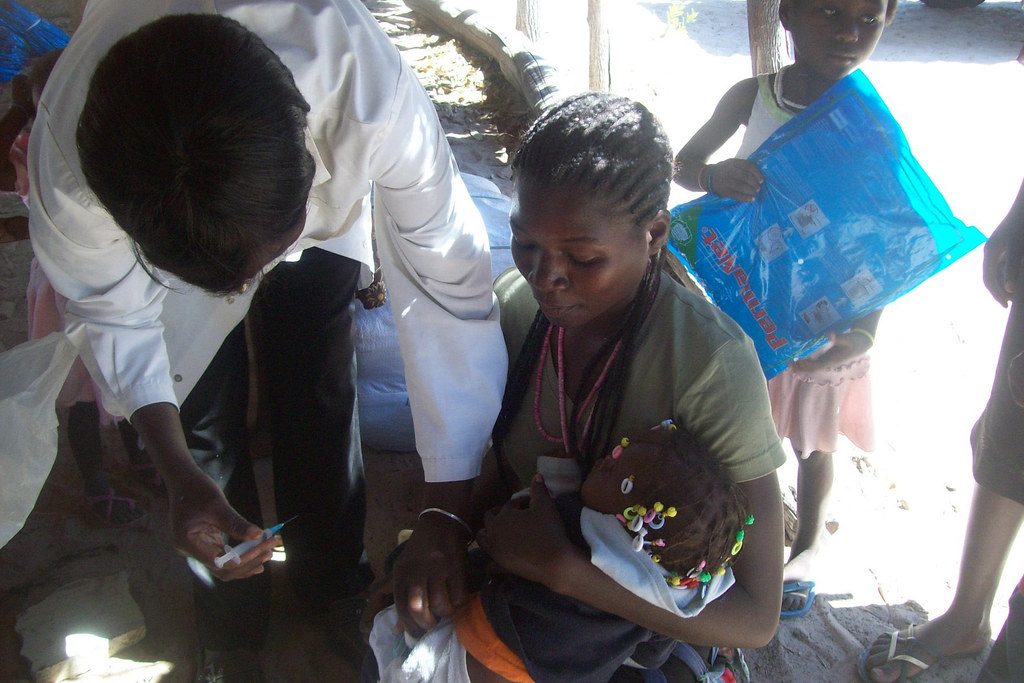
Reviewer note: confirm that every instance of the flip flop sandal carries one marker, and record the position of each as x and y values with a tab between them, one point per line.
909	639
894	640
806	587
115	511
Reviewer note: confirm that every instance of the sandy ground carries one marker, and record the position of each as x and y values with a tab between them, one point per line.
951	80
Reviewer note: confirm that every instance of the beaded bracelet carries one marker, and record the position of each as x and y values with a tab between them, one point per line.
451	516
860	330
700	174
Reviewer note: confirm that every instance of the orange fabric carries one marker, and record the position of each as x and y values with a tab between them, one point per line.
478	637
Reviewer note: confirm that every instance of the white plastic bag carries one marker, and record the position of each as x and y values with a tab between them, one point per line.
31	376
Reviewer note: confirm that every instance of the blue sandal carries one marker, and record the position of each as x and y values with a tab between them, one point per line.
805	587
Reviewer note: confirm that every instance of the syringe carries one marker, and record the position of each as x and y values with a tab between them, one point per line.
233	554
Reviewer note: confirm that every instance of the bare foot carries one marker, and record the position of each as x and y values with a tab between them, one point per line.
800	566
927	644
798	569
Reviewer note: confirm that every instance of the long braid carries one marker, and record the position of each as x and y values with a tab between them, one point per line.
610	396
611	150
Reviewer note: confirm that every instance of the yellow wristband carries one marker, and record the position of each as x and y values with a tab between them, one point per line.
859	330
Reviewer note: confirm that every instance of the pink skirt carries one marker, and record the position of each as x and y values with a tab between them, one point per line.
812	409
46	315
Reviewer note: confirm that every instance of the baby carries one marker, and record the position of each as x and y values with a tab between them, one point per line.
658	515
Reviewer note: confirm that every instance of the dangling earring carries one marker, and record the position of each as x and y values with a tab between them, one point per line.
652	262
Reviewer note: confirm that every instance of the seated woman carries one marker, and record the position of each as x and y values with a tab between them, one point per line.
600	340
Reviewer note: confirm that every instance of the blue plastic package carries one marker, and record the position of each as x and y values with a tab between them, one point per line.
845	222
12	56
24	35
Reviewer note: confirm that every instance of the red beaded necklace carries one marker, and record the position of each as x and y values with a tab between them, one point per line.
560	358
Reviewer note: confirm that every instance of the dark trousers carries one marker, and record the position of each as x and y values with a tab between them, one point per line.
997	439
306	352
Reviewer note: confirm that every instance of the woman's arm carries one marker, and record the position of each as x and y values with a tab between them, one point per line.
433	250
531	543
1003	252
199	510
734	178
429	577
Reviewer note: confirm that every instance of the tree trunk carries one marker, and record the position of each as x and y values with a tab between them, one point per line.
528	18
528	72
765	34
600	77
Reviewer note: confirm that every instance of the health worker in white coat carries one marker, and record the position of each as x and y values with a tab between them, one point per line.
195	158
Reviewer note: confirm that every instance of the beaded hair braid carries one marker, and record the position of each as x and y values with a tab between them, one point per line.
614	151
706	528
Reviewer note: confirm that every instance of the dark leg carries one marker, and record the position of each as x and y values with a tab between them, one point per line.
813	490
309	362
141	464
996	515
84	437
963	628
229	614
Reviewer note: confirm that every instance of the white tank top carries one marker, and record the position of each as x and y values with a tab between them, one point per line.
766	117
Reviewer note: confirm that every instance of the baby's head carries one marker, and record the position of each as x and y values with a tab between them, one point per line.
606	148
675	497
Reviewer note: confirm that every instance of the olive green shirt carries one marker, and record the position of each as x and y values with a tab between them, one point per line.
693	365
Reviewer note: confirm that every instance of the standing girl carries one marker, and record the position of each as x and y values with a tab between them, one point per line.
600	340
828	392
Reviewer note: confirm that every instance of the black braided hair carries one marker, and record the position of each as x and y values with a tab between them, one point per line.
603	146
612	150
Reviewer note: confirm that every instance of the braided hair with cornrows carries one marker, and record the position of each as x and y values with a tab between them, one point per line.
611	150
711	510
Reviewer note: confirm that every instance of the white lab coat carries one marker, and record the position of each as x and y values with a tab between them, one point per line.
370	125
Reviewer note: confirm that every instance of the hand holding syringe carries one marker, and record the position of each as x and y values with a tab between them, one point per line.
233	554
